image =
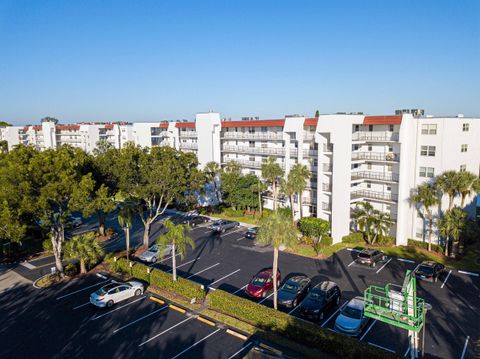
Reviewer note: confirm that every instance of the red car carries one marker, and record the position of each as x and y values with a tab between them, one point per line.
262	283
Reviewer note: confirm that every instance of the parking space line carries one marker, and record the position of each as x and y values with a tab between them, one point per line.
351	263
184	264
228	275
405	260
118	308
445	281
141	318
407	351
366	332
166	259
330	317
469	273
353	250
227	233
81	305
241	350
203	270
239	289
378	271
191	346
264	299
379	346
465	347
294	309
165	331
81	290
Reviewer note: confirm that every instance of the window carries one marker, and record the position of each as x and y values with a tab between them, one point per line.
370	128
369	166
251	158
355	165
389	168
264	129
419	233
389	189
429	129
390	128
369	185
390	148
427	172
251	143
463	168
369	147
427	151
357	128
465	127
464	148
388	208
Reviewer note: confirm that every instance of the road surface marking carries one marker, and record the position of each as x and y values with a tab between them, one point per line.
239	289
81	305
465	347
353	250
165	331
469	273
445	281
203	270
118	308
191	346
141	318
264	299
366	332
184	264
166	259
81	290
407	351
351	263
294	309
228	275
378	271
405	260
28	265
378	346
241	350
325	322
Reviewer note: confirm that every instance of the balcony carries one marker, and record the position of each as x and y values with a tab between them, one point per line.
376	156
375	176
375	136
185	134
312	184
326	207
308	136
310	153
327	167
254	150
189	145
373	195
308	200
326	187
293	152
253	136
249	164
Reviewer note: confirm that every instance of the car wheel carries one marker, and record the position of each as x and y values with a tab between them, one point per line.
294	304
435	279
138	292
264	294
223	230
374	264
109	303
193	224
154	259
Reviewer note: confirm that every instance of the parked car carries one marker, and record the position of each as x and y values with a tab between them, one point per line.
351	319
194	221
261	284
223	225
429	271
116	292
251	233
293	291
370	257
73	222
152	254
322	297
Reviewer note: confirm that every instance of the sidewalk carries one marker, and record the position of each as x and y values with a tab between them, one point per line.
9	279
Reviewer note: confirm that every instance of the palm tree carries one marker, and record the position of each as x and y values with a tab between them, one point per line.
363	218
271	171
381	224
124	218
211	171
177	237
299	175
467	181
85	248
276	231
288	189
449	183
425	196
451	226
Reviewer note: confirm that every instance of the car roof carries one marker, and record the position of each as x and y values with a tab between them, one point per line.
368	251
297	278
326	285
428	263
357	303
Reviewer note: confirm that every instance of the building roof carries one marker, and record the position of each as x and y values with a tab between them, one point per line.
254	123
382	120
184	125
311	121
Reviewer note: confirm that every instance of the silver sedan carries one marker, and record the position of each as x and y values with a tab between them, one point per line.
116	292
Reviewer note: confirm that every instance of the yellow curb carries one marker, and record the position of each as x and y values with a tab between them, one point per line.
206	321
157	300
236	334
178	309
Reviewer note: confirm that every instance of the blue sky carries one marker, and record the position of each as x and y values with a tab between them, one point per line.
156	60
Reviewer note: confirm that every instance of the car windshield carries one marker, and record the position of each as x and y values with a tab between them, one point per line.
318	295
350	312
290	287
259	281
364	255
153	249
104	290
425	269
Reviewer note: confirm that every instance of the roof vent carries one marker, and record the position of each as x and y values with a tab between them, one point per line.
460	115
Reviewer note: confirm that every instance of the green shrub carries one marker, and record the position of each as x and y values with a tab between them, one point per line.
47	245
326	241
385	240
109	258
424	245
292	328
122	265
183	287
355	237
71	270
230	212
139	271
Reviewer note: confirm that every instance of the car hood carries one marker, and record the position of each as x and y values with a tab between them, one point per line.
147	254
347	323
311	304
254	288
421	272
284	296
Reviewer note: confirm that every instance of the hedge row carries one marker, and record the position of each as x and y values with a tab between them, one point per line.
355	237
292	328
123	266
424	245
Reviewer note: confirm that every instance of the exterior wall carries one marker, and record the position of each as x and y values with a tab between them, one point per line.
11	134
208	127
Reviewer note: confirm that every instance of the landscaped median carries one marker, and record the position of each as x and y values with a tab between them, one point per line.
247	314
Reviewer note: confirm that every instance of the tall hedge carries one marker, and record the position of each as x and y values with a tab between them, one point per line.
123	265
184	287
140	271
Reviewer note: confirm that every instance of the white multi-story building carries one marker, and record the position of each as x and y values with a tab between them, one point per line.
351	157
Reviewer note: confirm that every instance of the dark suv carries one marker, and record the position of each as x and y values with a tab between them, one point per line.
322	297
194	221
429	271
370	257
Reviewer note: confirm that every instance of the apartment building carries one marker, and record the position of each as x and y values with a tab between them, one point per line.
351	157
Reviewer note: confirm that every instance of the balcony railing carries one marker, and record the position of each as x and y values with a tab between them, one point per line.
375	156
309	200
327	147
189	145
253	136
326	187
249	164
326	206
186	134
375	136
293	152
255	150
327	167
382	196
310	153
375	176
308	136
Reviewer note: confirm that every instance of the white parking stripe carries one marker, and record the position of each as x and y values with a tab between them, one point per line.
366	332
294	309
203	270
191	346
141	318
445	281
407	351
166	259
378	271
469	273
330	317
378	346
228	275
165	331
81	290
353	250
264	299
351	263
465	347
405	260
239	289
184	264
241	350
81	305
231	232
118	308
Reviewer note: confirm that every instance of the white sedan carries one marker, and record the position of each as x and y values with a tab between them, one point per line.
116	292
153	253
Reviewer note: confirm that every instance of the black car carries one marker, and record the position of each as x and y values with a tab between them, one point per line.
293	291
429	271
323	296
370	257
194	221
251	233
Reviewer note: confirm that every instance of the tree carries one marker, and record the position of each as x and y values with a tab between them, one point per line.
272	171
85	248
425	196
467	183
371	222
317	113
49	119
101	202
259	188
125	215
276	231
230	176
451	227
244	195
3	146
315	228
102	147
381	225
299	174
449	183
212	172
288	189
4	124
177	237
